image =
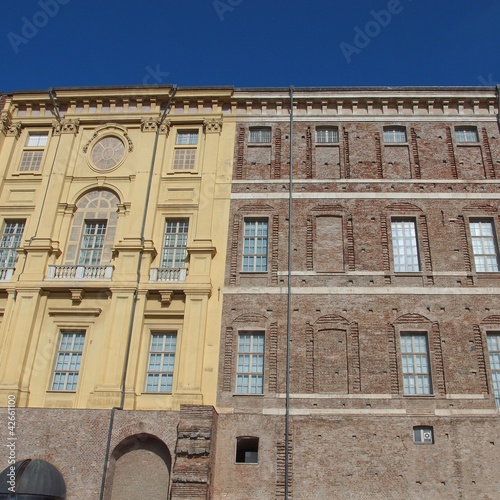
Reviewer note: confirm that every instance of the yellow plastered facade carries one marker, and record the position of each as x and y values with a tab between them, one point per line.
111	157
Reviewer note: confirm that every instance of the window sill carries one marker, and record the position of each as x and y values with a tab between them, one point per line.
420	396
465	144
254	273
326	144
396	143
259	144
38	173
246	394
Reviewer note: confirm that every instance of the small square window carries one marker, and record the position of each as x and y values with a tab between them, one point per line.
247	450
423	435
394	134
260	135
466	134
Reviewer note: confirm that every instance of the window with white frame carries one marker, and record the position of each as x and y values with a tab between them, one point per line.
255	245
175	244
92	244
31	159
327	135
466	134
484	245
394	134
423	434
405	246
494	356
185	150
160	372
416	364
10	241
250	367
69	360
260	135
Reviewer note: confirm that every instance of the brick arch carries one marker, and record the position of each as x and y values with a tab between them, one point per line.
251	318
140	467
480	208
411	318
402	207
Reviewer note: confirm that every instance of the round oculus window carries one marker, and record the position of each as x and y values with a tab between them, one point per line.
107	153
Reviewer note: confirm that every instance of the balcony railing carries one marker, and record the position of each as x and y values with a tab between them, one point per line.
80	272
163	274
6	273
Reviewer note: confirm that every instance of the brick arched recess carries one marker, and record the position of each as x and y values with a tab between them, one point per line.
332	356
140	467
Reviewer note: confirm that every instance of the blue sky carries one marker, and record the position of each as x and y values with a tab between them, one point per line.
249	43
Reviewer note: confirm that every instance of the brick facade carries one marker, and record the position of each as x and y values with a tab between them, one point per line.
352	421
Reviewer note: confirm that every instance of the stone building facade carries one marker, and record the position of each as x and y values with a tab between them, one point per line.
113	208
392	322
150	342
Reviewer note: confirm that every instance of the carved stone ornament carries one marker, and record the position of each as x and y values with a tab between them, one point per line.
66	126
213	126
165	127
149	124
11	129
166	297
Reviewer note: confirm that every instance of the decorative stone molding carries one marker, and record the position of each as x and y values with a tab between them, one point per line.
149	124
166	297
76	295
66	126
165	127
213	126
108	129
11	129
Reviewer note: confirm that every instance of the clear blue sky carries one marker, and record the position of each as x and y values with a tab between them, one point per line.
249	43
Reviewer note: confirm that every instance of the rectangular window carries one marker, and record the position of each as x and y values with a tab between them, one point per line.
466	134
174	244
92	243
327	135
69	359
255	246
260	135
416	365
184	159
494	355
404	246
394	134
31	159
189	137
484	245
250	370
11	239
160	372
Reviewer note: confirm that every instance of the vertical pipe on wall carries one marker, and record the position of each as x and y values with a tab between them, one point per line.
289	303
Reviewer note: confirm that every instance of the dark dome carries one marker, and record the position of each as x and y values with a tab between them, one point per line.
35	480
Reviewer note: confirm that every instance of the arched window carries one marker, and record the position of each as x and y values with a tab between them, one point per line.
93	230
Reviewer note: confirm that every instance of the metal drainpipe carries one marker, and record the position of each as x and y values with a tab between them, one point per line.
134	303
289	303
498	98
